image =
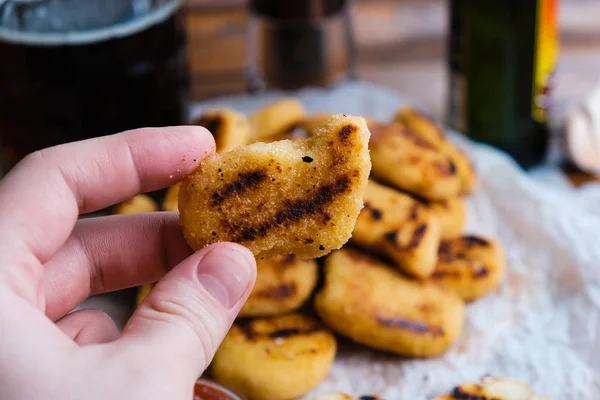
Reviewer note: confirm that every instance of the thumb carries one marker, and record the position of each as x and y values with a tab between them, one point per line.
183	320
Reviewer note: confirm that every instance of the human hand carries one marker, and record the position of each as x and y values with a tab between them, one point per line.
50	262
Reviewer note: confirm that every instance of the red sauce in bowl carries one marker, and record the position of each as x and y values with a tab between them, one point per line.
207	390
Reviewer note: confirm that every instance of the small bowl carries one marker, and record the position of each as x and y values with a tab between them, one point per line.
214	391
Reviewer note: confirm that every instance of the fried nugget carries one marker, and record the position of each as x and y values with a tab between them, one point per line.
281	198
451	213
471	266
421	124
435	134
170	201
493	389
276	358
276	119
283	284
374	124
295	132
399	227
229	127
367	301
408	161
315	121
141	203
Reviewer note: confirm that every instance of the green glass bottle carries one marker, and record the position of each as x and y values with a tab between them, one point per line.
502	56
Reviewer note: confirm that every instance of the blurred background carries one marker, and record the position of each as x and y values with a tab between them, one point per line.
401	44
505	73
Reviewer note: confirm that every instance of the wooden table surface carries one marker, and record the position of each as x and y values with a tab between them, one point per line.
401	45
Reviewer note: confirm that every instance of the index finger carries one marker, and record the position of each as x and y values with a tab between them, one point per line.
41	198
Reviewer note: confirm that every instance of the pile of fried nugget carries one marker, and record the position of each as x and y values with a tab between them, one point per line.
382	207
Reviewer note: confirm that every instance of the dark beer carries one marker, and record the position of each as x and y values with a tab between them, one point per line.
57	87
502	56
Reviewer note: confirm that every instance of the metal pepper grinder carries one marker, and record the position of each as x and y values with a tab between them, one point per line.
299	43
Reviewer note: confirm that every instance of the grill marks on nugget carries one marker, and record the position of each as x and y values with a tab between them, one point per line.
376	213
253	331
449	252
293	211
474	241
280	292
413	326
417	237
416	139
244	182
462	394
446	168
281	197
470	266
492	388
345	133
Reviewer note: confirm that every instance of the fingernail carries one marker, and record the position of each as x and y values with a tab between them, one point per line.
225	274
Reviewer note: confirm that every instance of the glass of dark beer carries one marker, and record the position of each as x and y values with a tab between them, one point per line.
75	69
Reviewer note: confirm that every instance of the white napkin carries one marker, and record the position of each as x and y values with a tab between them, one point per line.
542	326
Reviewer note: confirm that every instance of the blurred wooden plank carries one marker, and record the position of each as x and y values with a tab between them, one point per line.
216	51
217	40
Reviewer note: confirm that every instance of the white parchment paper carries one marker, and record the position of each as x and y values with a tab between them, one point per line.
542	326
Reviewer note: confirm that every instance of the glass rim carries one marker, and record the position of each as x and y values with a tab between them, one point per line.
83	37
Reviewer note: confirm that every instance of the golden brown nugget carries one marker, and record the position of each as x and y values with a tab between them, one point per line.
399	227
295	132
367	301
421	124
230	128
277	358
435	134
283	284
406	160
451	213
374	124
471	266
276	119
491	388
141	203
315	121
170	201
281	198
